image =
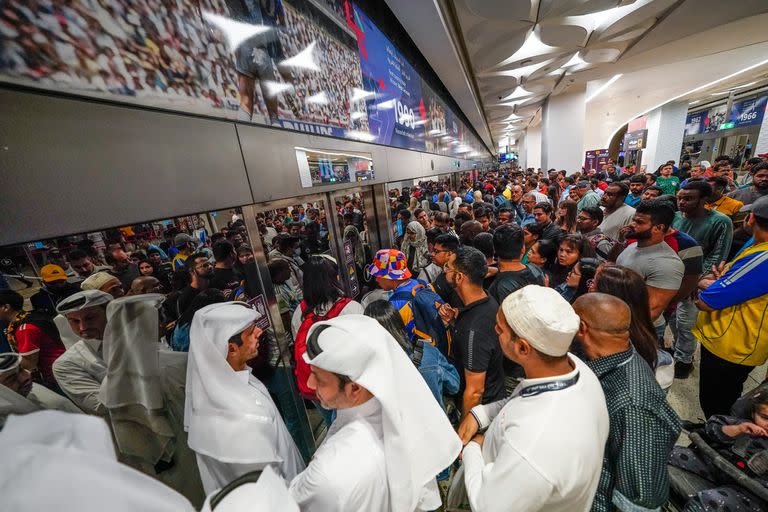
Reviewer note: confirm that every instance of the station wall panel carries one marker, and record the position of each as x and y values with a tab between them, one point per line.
69	166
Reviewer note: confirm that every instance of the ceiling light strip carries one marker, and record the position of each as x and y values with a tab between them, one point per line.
603	87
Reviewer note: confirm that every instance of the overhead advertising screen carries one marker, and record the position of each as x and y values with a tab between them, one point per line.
748	112
316	66
694	123
394	114
715	117
318	167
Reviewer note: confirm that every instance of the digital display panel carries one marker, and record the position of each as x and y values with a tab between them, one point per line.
318	167
315	66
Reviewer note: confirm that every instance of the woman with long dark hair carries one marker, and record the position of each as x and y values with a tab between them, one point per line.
626	284
543	254
566	216
570	250
441	376
324	299
579	279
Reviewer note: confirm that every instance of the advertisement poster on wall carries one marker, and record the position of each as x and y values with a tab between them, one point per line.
635	140
715	117
748	112
394	117
595	159
694	123
304	65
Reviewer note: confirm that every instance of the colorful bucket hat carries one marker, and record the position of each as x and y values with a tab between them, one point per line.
389	264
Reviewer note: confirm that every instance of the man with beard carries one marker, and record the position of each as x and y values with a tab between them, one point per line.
617	213
200	273
234	426
636	186
651	257
390	437
758	188
476	344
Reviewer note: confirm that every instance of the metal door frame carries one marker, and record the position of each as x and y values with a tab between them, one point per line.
281	336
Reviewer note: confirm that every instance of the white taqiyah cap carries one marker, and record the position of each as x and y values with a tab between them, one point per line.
96	281
543	318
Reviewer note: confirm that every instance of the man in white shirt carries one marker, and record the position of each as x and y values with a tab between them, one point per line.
80	370
543	448
234	426
616	213
390	437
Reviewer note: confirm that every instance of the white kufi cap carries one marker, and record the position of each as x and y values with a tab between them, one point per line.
543	318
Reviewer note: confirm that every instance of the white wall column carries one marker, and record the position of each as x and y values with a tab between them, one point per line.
761	146
533	147
562	131
666	126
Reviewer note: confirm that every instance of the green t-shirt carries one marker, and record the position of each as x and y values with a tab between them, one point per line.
669	185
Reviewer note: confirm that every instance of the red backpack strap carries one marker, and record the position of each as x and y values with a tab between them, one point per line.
337	308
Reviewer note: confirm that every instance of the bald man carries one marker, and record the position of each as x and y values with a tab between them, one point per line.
145	284
641	421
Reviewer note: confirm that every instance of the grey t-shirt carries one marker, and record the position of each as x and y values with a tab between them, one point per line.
658	265
746	195
613	222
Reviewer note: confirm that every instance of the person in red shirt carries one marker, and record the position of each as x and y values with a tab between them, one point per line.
33	335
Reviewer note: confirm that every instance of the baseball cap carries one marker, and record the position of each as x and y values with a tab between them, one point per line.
763	155
389	264
543	318
183	238
51	273
759	207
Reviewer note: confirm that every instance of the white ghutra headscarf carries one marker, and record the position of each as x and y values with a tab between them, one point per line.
74	457
225	419
419	441
132	390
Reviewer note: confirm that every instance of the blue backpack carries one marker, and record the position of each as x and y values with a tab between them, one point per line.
425	303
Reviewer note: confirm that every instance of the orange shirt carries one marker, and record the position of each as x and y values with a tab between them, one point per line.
726	205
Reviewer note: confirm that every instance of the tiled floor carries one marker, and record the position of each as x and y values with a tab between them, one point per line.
683	396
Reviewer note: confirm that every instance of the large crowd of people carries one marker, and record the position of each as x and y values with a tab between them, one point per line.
519	319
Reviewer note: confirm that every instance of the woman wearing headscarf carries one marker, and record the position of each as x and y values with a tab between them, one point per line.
415	248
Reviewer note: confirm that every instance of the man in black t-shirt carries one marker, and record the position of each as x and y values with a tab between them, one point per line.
224	277
509	246
476	346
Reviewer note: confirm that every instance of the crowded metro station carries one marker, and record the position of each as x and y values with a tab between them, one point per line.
384	255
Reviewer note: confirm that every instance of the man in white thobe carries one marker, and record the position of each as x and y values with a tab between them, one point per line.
80	370
543	448
390	437
234	426
66	462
